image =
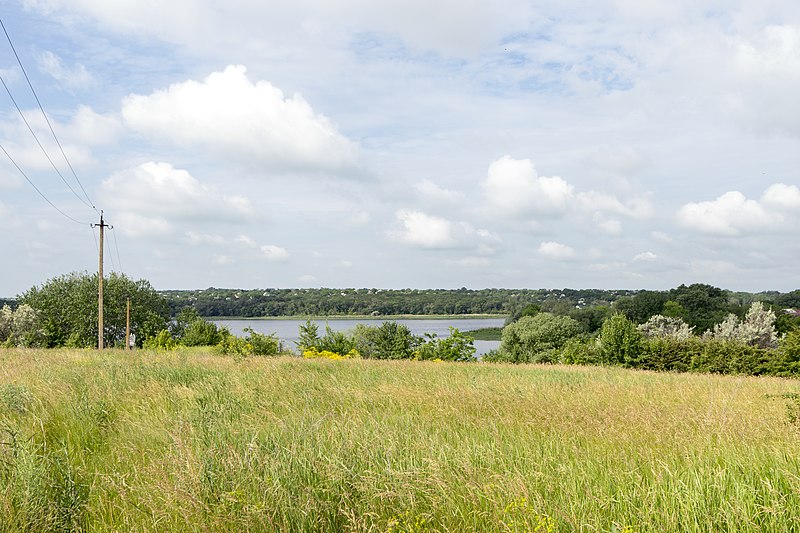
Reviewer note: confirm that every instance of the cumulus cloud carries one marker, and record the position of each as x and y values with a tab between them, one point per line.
160	192
230	116
514	187
555	250
425	231
782	196
733	214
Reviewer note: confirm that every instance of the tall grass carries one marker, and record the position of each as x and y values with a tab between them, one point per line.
190	441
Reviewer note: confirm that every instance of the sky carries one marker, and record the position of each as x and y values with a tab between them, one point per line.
612	144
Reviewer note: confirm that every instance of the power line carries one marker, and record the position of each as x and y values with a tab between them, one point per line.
30	129
119	259
37	188
41	108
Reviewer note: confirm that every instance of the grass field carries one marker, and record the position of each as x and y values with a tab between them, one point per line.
189	441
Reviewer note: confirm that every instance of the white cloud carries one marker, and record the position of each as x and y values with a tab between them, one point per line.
782	196
196	238
555	250
645	256
247	241
446	26
162	190
274	253
76	77
433	193
636	208
732	214
514	187
766	79
228	115
223	259
611	226
423	230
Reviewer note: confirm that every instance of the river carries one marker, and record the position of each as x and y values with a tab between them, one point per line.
287	329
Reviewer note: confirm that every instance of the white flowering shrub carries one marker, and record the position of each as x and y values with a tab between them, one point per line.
757	328
666	327
19	328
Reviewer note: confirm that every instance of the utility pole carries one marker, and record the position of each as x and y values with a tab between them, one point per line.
102	226
128	326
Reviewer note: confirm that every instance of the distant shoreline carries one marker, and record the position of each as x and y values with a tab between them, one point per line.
358	317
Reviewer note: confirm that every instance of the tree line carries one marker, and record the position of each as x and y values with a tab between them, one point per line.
704	303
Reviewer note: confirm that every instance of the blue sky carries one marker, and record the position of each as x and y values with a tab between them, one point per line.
611	144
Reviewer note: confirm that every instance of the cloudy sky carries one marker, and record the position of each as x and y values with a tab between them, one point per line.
404	143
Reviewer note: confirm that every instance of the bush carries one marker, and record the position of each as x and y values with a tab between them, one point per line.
665	327
202	333
263	344
236	346
670	354
730	357
579	351
545	334
162	341
621	343
457	347
390	340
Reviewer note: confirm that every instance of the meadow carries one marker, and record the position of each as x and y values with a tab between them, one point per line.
193	441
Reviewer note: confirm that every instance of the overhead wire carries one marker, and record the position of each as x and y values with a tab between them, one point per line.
47	120
111	256
46	199
116	246
36	138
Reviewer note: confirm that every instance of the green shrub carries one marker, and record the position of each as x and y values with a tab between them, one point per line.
731	357
621	343
162	341
202	333
524	340
263	344
670	354
390	340
577	351
457	347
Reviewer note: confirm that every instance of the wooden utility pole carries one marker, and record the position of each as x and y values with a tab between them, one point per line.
102	226
128	325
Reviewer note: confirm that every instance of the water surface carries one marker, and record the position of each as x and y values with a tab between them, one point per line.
287	329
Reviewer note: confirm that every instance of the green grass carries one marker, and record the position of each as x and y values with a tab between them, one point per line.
189	441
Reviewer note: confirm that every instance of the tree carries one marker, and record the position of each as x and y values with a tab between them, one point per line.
642	306
621	343
534	339
390	340
66	309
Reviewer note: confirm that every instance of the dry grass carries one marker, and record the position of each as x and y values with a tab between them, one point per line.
191	441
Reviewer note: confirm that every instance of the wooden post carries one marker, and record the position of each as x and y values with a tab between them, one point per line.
128	325
102	226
